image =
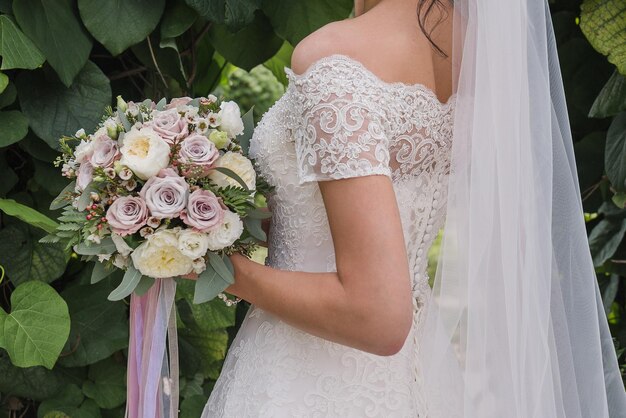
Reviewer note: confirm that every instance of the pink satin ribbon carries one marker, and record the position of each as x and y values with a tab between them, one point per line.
152	380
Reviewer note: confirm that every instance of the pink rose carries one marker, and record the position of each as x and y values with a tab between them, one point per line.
127	215
84	175
105	152
198	153
169	125
165	194
204	211
178	102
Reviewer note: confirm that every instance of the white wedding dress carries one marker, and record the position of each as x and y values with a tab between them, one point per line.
338	120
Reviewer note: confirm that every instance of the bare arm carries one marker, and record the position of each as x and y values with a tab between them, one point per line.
367	303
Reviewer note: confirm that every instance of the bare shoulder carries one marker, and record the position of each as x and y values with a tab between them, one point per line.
333	38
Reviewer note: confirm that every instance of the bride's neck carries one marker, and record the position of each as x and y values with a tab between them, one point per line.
400	6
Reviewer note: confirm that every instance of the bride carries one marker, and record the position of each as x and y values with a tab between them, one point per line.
367	161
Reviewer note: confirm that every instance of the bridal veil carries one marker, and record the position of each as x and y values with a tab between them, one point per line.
515	326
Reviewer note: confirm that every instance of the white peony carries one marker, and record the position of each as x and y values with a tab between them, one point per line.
231	121
224	236
237	163
193	244
159	256
83	151
144	152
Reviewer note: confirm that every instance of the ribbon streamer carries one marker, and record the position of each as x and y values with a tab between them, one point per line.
152	382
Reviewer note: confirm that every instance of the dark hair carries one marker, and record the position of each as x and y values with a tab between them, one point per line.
424	9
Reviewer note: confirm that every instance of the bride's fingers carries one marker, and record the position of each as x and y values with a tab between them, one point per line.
190	276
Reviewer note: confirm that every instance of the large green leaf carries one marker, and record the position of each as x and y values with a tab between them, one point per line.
13	127
35	330
8	176
615	155
177	19
295	19
28	215
604	23
233	13
99	326
248	47
36	383
612	98
16	50
106	384
54	28
54	110
192	407
70	401
119	24
24	258
209	316
279	61
8	96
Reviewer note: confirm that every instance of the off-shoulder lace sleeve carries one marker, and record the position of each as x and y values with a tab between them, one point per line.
338	128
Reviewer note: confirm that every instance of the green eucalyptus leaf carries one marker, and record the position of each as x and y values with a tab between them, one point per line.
24	258
615	155
54	110
35	330
119	24
28	215
100	271
295	19
13	127
105	247
131	279
16	50
208	285
107	383
219	265
99	326
62	199
604	23
612	98
57	32
253	226
233	13
248	47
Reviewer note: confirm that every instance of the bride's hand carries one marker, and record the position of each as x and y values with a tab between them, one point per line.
240	262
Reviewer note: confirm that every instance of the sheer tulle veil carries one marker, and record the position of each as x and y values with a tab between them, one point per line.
515	326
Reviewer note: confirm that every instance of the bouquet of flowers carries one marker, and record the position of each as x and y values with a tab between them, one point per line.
161	190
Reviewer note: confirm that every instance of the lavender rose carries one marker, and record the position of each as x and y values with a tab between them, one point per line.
165	194
105	152
169	125
199	154
127	215
204	211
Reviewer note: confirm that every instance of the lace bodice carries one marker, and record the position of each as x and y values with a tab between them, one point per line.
337	120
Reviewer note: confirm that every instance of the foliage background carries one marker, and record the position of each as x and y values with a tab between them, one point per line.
63	61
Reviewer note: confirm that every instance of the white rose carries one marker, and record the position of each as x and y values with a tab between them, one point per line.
230	115
237	163
160	258
144	152
83	151
120	245
193	244
227	233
